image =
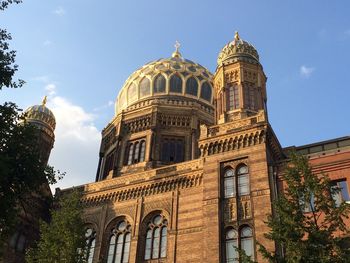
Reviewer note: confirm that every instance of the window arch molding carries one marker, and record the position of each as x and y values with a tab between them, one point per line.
117	239
154	232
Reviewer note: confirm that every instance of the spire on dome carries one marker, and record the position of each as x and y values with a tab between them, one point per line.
44	101
237	36
176	53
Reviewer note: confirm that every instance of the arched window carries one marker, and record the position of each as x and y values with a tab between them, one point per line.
18	241
130	153
172	150
159	84
206	91
136	152
233	98
192	86
142	150
119	243
247	245
175	84
229	183
231	246
243	180
156	238
145	87
132	93
90	236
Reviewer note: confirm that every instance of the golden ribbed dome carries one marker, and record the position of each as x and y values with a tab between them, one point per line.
41	115
238	50
168	77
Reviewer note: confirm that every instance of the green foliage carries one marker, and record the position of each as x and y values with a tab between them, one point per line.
62	240
307	237
8	67
21	170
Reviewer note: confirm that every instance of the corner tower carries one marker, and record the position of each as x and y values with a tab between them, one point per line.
239	82
43	119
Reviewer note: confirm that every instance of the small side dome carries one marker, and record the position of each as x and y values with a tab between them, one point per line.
41	115
238	50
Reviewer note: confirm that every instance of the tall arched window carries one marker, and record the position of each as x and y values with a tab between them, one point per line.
172	150
132	93
159	84
243	180
119	243
145	87
175	84
130	153
90	236
231	246
247	245
136	152
229	183
142	150
233	98
192	86
156	238
206	91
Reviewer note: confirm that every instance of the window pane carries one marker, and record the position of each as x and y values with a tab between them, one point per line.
126	248
132	93
243	184
163	242
206	91
145	88
159	84
165	155
111	250
229	186
247	246
131	153
175	84
155	251
179	151
192	86
143	149
118	252
136	152
344	190
231	251
91	251
171	150
148	244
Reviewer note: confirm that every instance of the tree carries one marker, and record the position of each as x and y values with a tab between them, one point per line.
22	172
8	67
62	240
307	221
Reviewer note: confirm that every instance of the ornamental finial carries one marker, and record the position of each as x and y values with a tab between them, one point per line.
44	101
176	53
237	36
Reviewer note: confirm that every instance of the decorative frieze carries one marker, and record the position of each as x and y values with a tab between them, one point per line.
232	142
153	188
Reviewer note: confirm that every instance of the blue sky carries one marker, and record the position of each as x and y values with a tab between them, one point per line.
80	53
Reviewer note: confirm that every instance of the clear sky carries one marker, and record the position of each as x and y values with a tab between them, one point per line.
80	53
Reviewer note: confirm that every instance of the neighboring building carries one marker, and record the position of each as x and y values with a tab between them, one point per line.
37	204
